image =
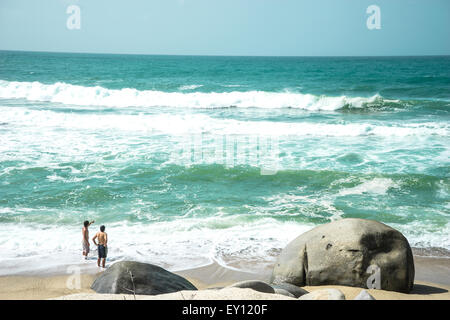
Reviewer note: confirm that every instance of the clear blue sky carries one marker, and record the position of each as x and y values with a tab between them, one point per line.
228	27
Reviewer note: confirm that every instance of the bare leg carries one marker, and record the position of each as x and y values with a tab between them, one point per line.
103	262
98	262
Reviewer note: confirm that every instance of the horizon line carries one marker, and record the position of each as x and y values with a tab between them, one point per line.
231	55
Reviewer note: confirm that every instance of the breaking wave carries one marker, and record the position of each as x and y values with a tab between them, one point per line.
80	95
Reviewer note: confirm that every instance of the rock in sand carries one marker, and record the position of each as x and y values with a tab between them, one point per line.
141	278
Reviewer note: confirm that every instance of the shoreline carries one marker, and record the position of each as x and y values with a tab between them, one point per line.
432	281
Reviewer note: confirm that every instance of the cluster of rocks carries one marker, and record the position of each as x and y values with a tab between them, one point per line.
292	291
337	253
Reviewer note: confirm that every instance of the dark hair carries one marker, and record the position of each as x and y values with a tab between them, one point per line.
86	223
102	228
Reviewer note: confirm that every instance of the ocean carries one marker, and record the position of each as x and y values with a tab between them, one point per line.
189	160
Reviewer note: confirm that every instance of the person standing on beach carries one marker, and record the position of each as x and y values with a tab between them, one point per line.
85	241
102	245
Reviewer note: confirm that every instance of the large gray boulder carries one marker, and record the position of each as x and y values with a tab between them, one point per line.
141	278
340	253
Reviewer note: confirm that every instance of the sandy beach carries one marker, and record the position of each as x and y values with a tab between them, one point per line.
432	281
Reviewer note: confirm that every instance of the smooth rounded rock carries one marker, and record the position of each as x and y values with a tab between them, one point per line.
347	252
256	285
130	277
284	292
292	289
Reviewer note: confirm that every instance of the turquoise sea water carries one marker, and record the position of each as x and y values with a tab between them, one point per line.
171	153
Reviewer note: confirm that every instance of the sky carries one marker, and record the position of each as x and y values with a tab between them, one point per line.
228	27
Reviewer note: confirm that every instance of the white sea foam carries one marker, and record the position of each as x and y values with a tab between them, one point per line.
190	87
304	205
424	235
175	245
80	95
377	186
176	124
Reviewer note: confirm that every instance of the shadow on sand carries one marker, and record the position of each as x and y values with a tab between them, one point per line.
424	289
